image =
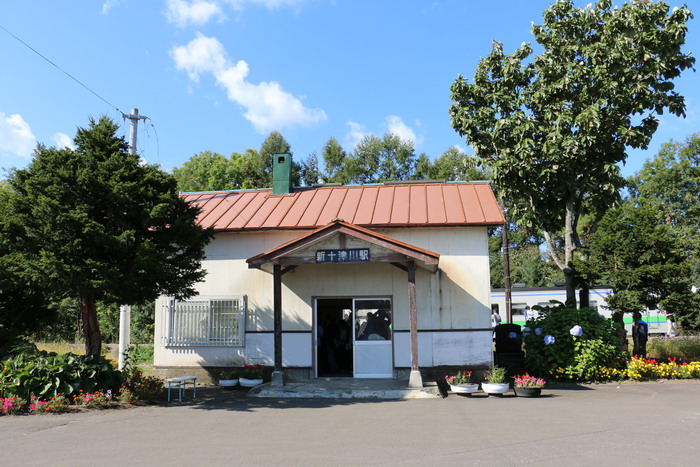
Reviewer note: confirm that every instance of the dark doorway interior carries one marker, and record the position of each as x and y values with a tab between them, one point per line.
334	332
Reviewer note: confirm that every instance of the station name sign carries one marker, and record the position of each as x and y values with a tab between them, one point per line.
346	255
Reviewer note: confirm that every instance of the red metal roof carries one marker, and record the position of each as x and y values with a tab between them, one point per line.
409	205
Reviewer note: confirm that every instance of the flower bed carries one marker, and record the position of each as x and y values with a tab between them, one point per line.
642	369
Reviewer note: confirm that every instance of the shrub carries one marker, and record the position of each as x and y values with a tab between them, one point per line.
571	344
146	388
46	375
686	348
11	405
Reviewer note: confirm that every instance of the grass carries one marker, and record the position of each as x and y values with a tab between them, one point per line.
141	354
686	348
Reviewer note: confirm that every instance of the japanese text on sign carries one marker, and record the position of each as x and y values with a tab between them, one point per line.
348	255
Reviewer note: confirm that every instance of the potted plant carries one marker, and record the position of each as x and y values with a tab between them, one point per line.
228	377
251	375
495	381
528	386
459	382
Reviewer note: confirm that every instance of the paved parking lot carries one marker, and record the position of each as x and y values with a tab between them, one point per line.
625	424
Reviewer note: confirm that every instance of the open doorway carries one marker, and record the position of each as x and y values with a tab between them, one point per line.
334	334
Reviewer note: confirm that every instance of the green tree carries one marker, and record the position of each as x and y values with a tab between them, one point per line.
102	226
207	171
552	128
310	172
634	252
23	302
380	159
672	178
334	160
451	165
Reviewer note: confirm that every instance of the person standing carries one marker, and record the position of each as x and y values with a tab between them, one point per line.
671	326
640	335
528	313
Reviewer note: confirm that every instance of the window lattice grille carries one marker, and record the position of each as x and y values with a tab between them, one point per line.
206	322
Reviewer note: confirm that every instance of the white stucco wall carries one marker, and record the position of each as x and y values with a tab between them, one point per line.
455	298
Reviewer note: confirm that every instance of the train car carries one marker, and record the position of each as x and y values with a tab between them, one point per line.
544	296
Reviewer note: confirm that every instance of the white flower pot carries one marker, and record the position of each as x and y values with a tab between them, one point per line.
228	383
250	383
495	388
464	389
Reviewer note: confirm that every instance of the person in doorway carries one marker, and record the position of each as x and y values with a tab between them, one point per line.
495	319
671	326
640	335
528	313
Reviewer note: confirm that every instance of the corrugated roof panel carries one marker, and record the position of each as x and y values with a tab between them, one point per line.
435	205
313	211
264	211
243	210
472	210
350	204
275	218
421	204
302	200
401	205
454	211
491	211
418	207
383	205
366	207
220	203
332	207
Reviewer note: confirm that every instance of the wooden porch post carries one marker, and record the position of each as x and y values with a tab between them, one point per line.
277	378
415	380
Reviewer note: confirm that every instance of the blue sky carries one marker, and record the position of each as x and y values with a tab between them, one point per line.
221	74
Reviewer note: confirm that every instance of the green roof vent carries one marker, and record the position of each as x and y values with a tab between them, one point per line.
282	174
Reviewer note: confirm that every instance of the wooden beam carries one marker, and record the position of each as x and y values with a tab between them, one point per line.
277	304
288	269
413	319
400	266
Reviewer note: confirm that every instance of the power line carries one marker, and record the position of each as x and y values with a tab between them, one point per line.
62	70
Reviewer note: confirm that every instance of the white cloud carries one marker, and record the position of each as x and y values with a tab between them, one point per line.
62	140
196	12
269	4
16	137
356	133
266	104
107	5
398	127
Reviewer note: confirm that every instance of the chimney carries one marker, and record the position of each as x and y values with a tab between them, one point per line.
282	174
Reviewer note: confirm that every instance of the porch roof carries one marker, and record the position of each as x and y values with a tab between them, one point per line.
400	252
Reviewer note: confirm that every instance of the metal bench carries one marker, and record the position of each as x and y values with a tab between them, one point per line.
181	383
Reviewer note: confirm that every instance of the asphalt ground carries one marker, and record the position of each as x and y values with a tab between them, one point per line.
608	424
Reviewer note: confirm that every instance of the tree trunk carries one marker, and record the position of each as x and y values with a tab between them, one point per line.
583	295
570	278
91	327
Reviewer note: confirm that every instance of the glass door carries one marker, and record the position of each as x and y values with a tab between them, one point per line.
372	338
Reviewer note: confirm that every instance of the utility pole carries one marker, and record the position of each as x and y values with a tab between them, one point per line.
506	265
125	310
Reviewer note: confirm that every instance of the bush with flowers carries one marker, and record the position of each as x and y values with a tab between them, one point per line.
252	371
458	379
527	381
11	404
645	369
570	344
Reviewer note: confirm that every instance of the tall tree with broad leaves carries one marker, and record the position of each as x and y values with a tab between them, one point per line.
554	127
380	159
100	225
207	171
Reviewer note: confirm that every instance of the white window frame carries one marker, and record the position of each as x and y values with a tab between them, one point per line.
205	321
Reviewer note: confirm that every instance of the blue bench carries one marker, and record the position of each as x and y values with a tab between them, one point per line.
181	383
